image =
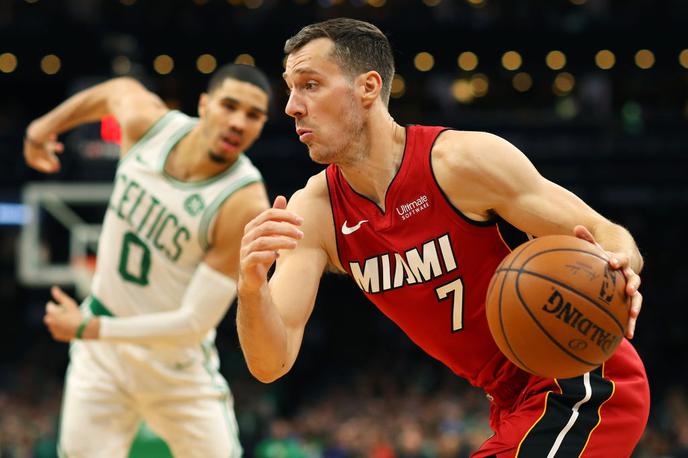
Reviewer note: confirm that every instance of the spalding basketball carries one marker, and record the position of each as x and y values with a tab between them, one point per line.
556	308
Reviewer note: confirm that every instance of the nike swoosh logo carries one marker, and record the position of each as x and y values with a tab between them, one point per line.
346	230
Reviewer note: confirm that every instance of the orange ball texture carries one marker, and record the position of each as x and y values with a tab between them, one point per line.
556	308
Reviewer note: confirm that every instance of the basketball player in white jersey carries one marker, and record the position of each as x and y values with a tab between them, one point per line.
168	255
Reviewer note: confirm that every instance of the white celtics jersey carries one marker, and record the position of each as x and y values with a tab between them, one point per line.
157	229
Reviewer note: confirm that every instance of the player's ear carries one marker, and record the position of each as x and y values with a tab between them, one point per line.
202	104
370	84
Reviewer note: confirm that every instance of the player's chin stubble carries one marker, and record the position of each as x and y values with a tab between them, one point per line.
217	158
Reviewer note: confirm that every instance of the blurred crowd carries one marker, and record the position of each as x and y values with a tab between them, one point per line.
29	413
370	414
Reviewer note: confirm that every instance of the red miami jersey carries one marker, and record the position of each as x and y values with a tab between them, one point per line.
423	263
427	267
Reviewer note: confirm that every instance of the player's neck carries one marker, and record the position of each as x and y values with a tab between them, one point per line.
372	174
189	161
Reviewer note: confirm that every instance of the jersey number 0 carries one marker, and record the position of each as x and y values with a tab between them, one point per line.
135	260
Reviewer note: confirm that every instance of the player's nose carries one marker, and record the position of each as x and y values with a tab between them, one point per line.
295	107
237	122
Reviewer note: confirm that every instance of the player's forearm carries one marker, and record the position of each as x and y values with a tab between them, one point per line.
175	327
615	238
86	106
262	335
206	300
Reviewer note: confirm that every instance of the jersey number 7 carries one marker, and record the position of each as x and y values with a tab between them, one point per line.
455	290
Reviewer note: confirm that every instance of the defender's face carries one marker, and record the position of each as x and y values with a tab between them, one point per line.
233	115
322	101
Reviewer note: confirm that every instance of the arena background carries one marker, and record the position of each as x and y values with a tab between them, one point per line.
605	116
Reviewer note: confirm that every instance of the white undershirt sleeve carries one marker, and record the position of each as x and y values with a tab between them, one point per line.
206	300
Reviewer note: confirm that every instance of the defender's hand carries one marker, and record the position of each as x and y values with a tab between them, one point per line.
41	154
273	230
620	261
62	317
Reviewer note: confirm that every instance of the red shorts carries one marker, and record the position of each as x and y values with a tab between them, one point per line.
601	414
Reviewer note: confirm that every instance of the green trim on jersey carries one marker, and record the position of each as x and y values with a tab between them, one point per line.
151	132
97	308
208	348
195	184
232	427
170	143
214	206
218	382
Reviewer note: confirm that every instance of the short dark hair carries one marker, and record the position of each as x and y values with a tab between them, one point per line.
240	72
358	47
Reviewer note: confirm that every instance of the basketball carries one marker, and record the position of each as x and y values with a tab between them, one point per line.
556	308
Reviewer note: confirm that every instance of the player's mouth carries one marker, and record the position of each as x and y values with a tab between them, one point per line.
304	134
231	142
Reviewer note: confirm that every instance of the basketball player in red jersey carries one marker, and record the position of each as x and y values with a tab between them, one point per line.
420	217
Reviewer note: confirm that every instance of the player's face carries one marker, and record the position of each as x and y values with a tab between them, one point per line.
233	115
323	103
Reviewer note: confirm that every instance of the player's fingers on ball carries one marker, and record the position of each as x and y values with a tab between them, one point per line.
636	304
618	260
582	232
630	329
632	280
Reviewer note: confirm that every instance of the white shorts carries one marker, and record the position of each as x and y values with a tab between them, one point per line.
178	391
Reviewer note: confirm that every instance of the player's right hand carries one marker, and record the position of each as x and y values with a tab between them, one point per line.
274	229
62	316
620	261
41	154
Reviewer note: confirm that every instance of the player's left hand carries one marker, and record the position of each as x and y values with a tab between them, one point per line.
42	154
620	261
62	316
